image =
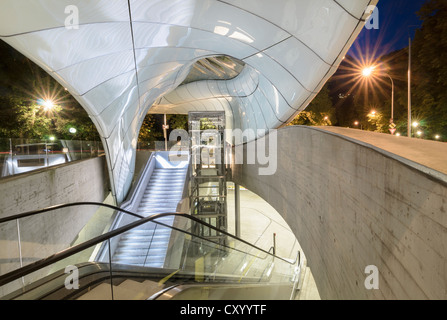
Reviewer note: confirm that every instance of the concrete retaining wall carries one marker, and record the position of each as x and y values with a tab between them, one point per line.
352	206
85	180
46	234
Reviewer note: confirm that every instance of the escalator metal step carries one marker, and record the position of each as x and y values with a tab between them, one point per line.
148	246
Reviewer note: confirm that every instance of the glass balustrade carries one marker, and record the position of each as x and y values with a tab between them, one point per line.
24	155
61	261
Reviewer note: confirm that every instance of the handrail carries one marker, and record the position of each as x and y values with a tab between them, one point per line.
65	205
23	271
132	192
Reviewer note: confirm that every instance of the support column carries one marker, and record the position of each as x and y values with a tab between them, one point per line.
237	210
165	133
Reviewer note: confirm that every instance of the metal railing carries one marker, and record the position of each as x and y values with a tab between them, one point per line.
24	155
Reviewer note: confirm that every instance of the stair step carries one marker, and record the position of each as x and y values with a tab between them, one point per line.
144	238
163	188
155	205
150	231
139	260
148	244
159	201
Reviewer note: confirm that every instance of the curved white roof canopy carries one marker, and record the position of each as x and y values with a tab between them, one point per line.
128	57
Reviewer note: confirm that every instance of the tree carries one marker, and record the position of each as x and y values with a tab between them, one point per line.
177	121
148	132
320	111
429	69
22	85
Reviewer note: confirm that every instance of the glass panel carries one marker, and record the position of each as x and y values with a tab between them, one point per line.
75	277
47	233
9	254
145	258
24	155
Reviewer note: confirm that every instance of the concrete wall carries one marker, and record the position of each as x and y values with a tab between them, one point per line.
46	234
84	180
350	206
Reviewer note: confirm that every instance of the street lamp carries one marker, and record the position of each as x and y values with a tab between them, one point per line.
367	72
47	104
392	99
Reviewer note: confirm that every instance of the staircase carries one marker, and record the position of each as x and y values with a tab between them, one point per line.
148	244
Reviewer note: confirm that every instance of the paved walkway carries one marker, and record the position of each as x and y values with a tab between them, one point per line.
431	154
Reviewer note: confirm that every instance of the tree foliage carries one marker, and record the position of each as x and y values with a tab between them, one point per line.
320	111
22	85
429	56
148	130
177	121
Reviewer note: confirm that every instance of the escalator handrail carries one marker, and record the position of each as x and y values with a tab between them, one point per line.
25	270
65	205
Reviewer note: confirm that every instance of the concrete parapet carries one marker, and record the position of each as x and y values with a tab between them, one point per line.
358	210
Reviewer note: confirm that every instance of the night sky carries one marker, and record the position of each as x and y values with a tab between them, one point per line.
397	20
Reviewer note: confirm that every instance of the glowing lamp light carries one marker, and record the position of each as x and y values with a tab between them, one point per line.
415	124
366	72
48	104
72	130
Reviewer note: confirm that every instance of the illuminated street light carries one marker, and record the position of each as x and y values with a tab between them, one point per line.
415	124
437	137
72	130
48	104
419	133
367	72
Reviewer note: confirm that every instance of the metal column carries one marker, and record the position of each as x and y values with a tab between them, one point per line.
237	210
208	171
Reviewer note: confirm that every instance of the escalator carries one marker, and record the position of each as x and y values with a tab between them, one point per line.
197	267
163	193
162	188
149	251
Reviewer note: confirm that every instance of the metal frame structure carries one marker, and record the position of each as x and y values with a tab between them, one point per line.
208	196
